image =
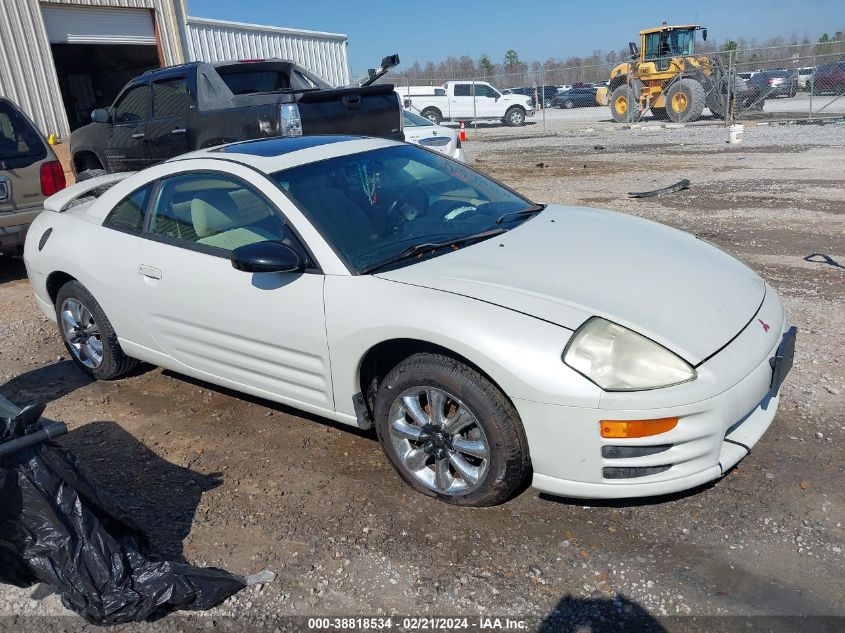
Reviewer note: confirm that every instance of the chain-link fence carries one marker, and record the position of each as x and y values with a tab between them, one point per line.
776	83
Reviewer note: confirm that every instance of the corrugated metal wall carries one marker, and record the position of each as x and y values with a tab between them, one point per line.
215	40
27	71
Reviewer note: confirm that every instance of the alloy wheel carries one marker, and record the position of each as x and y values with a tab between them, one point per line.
81	333
438	440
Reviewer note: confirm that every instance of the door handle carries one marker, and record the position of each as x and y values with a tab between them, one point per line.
138	135
178	130
149	271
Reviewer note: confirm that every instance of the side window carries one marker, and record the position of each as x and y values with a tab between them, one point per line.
128	214
485	91
170	98
134	106
214	210
463	90
440	92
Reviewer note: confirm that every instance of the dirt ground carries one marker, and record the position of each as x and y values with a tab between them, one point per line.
232	481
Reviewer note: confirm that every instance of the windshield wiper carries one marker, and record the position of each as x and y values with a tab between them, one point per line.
516	214
418	249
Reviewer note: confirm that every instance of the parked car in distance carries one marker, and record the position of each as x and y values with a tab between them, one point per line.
772	83
29	173
575	98
466	101
828	79
421	131
171	111
804	75
544	94
376	283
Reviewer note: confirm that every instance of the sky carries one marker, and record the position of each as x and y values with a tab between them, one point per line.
537	29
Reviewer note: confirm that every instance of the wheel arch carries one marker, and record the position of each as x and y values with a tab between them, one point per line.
55	281
380	358
81	157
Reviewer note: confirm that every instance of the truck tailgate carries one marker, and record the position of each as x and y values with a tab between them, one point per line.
374	111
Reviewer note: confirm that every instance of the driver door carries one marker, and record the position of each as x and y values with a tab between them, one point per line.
128	149
263	333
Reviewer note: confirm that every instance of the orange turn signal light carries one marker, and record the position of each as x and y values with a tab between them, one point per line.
636	428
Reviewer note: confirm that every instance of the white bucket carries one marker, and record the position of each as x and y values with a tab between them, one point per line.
735	133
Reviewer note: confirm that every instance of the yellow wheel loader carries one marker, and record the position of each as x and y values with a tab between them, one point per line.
665	76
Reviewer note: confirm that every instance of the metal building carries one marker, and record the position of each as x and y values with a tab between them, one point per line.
60	59
215	40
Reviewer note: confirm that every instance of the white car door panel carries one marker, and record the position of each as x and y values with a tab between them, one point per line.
262	330
266	330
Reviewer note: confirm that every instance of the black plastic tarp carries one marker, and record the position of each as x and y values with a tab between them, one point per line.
56	528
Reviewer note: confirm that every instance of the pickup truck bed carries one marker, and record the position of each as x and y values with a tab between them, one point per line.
167	112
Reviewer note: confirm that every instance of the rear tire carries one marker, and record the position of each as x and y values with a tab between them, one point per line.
88	334
685	101
433	115
623	104
490	448
569	104
514	117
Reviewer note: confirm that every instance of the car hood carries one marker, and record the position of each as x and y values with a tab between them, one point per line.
570	263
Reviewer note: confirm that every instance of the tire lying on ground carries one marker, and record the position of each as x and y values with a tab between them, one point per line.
88	174
685	101
623	104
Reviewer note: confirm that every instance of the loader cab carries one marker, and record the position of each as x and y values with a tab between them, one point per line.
662	44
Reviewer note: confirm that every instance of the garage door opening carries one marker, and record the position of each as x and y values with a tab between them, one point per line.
91	75
96	50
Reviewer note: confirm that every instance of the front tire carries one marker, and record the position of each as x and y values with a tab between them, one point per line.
88	334
450	433
515	117
623	104
685	101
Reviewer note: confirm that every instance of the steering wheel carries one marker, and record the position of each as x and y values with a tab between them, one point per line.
409	205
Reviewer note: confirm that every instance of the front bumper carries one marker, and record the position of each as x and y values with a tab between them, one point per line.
713	433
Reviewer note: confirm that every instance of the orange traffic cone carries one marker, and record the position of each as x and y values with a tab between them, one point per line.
463	136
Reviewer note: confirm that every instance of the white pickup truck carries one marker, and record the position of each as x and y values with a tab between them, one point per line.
466	101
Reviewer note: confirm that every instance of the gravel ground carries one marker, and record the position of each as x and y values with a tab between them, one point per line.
221	479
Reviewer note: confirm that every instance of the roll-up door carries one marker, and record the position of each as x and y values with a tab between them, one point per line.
96	25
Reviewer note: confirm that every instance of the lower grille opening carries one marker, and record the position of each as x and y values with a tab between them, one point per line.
630	472
621	452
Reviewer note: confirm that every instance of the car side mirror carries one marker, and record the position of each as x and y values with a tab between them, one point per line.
267	257
704	35
100	115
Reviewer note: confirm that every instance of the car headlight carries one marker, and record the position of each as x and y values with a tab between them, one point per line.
617	359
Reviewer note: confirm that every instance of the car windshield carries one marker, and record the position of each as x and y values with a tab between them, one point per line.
415	120
374	206
17	137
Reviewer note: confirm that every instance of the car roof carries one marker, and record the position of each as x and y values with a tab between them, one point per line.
270	155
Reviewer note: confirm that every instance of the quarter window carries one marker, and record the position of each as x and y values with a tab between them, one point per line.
170	98
128	214
134	106
214	211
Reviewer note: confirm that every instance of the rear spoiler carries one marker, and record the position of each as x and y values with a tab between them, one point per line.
64	199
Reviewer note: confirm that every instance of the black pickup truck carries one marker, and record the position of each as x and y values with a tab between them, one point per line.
167	112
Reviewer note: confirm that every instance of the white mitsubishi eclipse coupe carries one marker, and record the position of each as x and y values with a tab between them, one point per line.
378	283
